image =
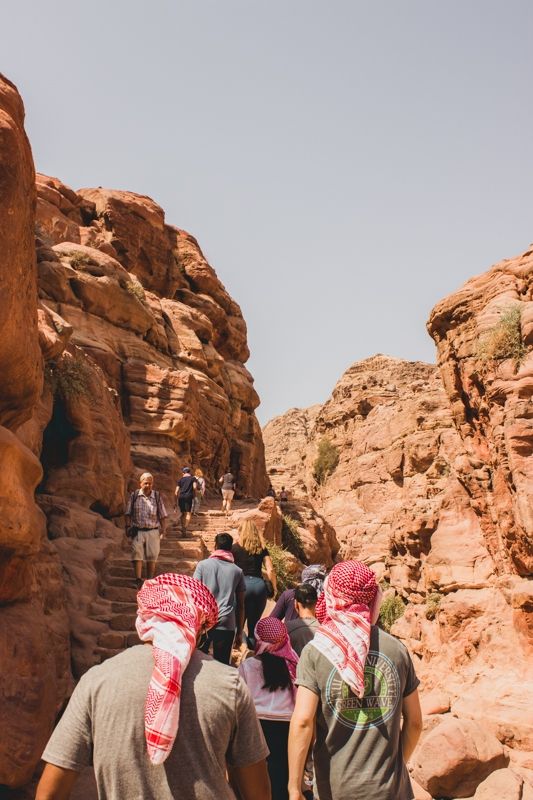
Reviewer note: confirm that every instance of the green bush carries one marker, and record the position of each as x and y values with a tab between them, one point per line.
504	340
326	460
281	559
135	288
69	377
432	604
391	610
78	260
290	536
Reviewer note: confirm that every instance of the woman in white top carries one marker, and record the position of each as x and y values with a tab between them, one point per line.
270	677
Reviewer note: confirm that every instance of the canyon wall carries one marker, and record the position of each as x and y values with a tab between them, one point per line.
120	351
433	489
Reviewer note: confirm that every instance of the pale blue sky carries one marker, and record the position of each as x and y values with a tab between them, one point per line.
343	164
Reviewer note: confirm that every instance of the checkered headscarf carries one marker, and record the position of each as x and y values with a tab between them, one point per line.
271	636
172	610
350	592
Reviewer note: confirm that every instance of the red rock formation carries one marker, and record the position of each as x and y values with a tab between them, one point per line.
143	352
409	498
491	401
34	641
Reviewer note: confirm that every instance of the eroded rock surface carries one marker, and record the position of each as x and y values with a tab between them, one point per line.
120	351
432	489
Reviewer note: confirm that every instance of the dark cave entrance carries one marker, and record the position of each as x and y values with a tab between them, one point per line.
56	439
235	464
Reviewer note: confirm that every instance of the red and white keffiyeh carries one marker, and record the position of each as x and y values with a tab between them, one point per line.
172	609
346	611
271	636
224	555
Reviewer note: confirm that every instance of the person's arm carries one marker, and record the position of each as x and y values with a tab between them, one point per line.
280	609
240	618
412	724
269	567
56	783
251	782
300	736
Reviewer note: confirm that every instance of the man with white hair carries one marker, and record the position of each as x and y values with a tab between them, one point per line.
145	526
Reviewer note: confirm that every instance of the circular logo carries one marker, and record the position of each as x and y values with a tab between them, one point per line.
379	702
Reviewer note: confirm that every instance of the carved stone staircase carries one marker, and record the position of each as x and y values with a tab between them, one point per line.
116	605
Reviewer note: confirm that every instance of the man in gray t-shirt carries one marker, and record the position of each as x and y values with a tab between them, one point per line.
161	721
358	748
226	583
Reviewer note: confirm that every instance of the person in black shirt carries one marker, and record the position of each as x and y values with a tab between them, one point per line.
186	488
251	555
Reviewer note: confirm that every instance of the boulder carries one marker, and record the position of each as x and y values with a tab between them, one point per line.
455	757
503	784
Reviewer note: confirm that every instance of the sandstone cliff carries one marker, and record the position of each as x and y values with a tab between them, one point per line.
432	490
120	351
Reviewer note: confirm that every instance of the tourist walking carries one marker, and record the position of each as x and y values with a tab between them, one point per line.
145	526
269	676
227	484
186	488
251	556
285	609
161	720
226	583
200	491
359	685
302	629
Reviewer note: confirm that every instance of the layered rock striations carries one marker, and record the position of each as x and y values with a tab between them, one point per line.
34	634
432	489
120	351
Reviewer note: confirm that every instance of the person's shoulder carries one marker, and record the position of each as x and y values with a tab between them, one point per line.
119	667
220	678
388	644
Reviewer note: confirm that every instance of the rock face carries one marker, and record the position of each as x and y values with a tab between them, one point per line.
432	489
120	351
34	640
484	334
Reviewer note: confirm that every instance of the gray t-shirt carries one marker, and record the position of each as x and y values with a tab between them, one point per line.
357	752
104	725
224	580
228	481
301	631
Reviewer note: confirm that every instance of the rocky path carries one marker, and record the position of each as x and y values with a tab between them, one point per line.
116	605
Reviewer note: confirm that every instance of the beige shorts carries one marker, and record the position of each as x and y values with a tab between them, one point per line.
227	494
146	545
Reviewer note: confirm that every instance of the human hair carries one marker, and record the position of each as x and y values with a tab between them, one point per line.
198	473
224	541
275	672
250	538
306	595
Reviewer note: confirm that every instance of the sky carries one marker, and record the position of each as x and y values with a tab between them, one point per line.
343	164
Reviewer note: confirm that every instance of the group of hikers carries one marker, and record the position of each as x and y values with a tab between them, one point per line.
323	703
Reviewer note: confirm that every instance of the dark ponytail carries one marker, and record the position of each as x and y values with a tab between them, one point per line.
275	672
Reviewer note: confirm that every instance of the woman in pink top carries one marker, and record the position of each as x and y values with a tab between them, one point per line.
270	677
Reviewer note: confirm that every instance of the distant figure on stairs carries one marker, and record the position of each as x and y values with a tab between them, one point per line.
186	489
283	496
226	582
200	492
227	482
271	492
145	526
161	720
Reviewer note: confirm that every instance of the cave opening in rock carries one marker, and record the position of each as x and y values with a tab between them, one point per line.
235	462
56	439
